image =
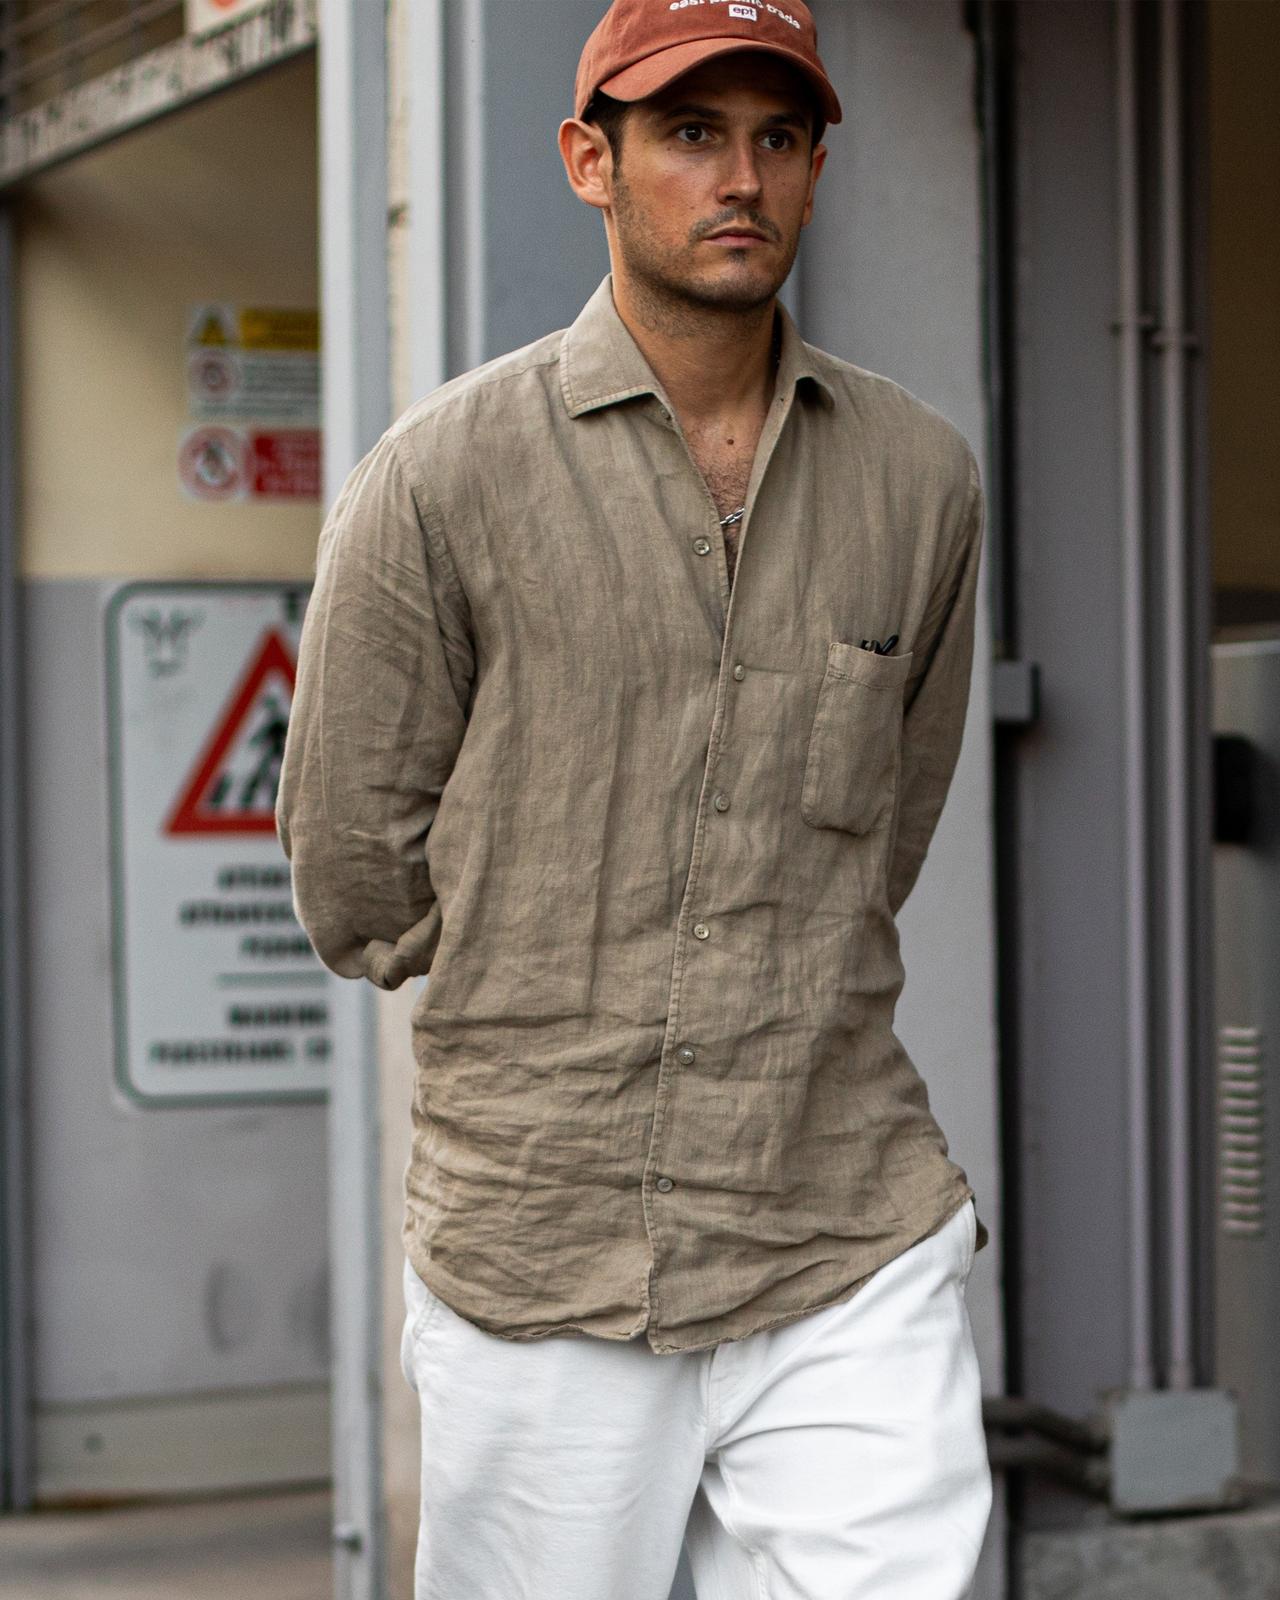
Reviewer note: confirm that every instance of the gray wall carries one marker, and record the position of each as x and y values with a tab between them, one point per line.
515	226
1070	867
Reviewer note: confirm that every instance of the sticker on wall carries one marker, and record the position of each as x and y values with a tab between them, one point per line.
284	464
218	993
221	463
253	398
253	363
211	464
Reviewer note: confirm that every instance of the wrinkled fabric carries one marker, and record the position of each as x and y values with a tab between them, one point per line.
648	834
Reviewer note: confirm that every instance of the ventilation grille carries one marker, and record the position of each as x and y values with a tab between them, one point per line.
1241	1150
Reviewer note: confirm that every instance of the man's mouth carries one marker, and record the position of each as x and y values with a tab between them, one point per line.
742	236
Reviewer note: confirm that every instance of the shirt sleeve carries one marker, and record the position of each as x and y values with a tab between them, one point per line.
385	666
934	717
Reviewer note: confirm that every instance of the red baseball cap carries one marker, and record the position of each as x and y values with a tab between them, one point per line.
640	46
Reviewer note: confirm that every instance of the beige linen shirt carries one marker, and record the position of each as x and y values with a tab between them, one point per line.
648	832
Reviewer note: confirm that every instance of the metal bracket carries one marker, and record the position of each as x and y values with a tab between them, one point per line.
1015	693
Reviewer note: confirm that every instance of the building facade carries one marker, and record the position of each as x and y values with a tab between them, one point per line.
1055	221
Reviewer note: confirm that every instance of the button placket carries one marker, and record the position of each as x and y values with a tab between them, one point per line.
710	800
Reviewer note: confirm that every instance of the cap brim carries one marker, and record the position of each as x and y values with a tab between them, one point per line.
655	72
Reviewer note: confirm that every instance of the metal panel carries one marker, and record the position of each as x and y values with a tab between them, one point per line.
197	1236
1106	966
1246	920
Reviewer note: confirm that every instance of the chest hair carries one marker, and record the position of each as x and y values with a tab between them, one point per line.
725	463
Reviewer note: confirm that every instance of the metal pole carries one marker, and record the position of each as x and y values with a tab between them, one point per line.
357	402
1171	342
425	331
16	1466
1129	328
471	189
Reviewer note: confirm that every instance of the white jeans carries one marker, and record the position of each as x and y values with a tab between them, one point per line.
839	1457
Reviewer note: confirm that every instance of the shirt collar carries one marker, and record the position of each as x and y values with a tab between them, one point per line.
601	364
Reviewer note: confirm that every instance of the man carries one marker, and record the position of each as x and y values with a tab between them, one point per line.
629	695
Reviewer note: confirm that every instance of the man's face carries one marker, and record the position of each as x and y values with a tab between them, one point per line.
715	183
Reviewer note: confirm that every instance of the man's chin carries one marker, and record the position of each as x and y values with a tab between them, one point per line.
731	291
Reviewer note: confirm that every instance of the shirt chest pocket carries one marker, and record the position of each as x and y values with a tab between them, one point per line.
852	764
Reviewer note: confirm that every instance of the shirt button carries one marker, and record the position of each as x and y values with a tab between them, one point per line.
702	546
664	1184
701	931
721	801
739	671
685	1054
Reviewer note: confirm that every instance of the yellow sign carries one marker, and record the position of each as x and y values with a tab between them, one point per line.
279	329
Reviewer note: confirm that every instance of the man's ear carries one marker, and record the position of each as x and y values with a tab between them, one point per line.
588	162
815	168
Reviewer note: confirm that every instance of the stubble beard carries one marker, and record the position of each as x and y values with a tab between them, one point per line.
678	302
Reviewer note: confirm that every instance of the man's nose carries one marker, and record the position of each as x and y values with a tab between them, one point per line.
740	178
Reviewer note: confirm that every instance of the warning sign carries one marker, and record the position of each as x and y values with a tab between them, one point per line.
218	992
213	326
258	363
220	463
275	328
211	464
253	393
285	464
233	789
279	328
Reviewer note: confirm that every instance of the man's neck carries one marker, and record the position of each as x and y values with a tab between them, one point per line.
711	363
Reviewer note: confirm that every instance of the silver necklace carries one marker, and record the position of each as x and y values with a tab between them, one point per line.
737	516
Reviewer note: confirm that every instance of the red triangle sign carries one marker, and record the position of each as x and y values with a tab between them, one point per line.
233	786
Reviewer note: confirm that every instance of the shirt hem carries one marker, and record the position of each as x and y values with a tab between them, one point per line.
917	1227
847	1292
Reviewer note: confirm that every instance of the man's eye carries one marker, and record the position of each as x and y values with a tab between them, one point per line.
691	133
783	140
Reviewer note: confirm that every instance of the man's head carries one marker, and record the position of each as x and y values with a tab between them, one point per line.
696	133
641	46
